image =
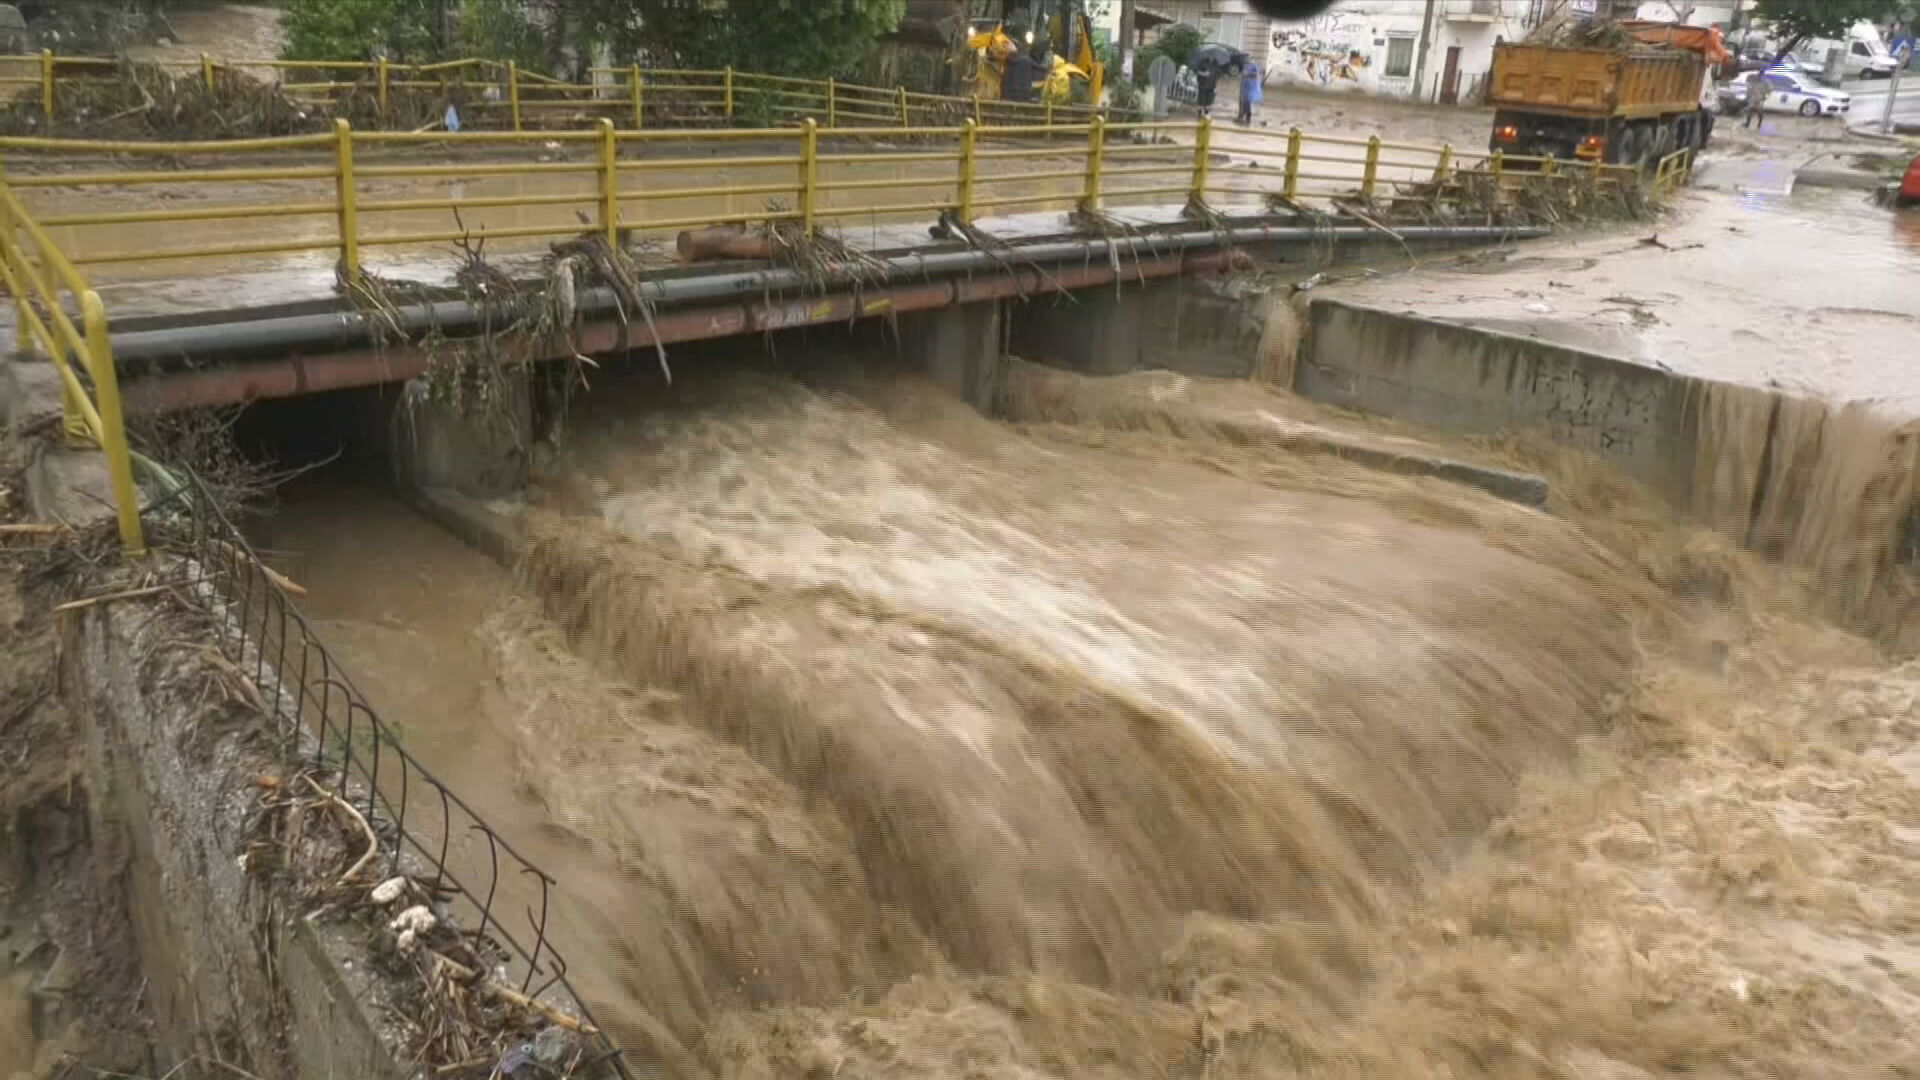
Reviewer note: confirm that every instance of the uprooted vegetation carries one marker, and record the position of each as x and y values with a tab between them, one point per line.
140	100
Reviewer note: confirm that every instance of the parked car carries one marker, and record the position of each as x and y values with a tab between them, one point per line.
1788	91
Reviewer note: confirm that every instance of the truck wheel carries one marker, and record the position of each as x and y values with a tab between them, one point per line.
1809	107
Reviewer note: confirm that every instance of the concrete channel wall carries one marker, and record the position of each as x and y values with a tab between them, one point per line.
1453	377
235	972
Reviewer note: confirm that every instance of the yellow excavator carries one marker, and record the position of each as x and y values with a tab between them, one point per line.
1069	38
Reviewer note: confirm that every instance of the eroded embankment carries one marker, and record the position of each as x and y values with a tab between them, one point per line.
873	738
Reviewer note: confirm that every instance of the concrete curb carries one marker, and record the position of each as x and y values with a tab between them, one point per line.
1846	179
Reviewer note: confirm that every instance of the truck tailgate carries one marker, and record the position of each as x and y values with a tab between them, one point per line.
1562	80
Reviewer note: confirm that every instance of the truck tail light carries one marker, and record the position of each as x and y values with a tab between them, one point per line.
1591	148
1507	133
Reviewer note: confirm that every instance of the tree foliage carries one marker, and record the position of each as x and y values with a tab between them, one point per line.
813	38
1794	21
1175	42
356	29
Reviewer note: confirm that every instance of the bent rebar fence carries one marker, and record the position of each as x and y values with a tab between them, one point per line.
332	726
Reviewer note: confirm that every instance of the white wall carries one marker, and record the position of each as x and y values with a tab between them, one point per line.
1352	46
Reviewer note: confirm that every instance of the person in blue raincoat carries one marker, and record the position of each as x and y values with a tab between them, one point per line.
1249	92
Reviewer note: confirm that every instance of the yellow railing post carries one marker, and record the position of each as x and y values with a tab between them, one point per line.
976	109
1372	169
1096	150
1202	149
633	79
345	198
833	103
206	71
1049	114
609	183
113	429
513	92
904	122
969	135
809	171
727	96
383	86
1446	163
46	84
1499	166
22	337
1292	185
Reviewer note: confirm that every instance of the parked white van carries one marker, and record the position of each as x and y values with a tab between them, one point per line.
1863	55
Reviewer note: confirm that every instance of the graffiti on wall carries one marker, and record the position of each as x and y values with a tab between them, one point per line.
1320	59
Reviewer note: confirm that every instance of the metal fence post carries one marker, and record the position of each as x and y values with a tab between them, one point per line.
976	109
113	431
728	93
1446	163
46	84
22	337
633	79
1292	185
609	183
383	86
344	200
206	70
1499	166
1096	150
1372	169
969	135
513	92
1202	149
809	171
833	103
904	122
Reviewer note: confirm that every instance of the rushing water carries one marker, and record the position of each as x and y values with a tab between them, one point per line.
818	690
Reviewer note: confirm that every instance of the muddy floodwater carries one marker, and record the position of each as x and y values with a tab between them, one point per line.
871	737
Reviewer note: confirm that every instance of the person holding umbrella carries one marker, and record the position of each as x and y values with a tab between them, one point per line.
1207	62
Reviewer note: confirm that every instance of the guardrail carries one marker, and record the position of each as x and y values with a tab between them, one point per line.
56	312
342	742
507	95
1674	170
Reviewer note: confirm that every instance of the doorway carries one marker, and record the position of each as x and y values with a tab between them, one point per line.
1450	77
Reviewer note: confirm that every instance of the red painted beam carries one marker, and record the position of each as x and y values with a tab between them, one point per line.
368	366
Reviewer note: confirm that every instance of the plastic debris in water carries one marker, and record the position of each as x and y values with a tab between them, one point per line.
515	1059
453	119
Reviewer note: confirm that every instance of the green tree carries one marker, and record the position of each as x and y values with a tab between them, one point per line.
1176	43
356	29
812	38
1794	21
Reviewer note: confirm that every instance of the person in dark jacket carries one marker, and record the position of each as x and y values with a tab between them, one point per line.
1022	71
1207	79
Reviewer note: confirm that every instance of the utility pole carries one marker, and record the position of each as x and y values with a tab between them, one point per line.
1126	40
1420	64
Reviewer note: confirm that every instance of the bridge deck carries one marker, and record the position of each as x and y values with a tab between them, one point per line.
307	282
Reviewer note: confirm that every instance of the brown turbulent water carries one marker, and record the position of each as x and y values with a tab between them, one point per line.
873	738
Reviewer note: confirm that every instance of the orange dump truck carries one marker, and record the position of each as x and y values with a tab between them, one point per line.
1623	106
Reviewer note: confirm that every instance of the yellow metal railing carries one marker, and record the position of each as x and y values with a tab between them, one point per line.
632	96
1674	170
58	314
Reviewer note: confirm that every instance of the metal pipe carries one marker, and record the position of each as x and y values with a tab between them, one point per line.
336	330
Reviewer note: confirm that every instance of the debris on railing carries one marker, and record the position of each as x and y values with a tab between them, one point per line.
140	100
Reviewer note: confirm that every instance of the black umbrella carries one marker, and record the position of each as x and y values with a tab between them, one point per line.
1212	56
